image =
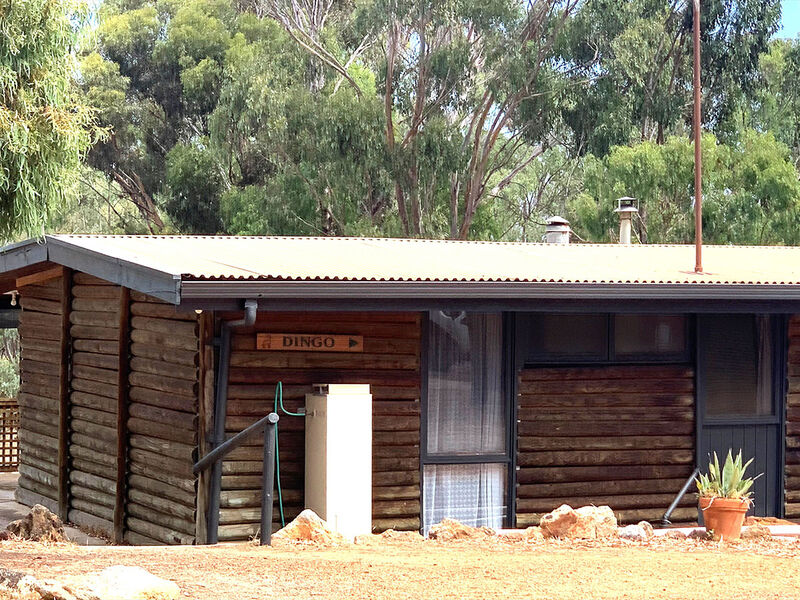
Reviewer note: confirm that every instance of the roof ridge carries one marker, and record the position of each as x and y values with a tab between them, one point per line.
333	239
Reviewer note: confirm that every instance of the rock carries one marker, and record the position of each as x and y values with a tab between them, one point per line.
534	534
130	583
647	528
4	535
449	530
48	589
40	525
402	536
308	527
634	533
674	534
558	522
756	532
700	534
9	578
388	536
594	522
512	536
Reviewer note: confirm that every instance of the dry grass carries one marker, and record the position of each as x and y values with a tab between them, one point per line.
670	569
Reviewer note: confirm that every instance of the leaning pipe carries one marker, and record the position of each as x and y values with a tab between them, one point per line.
221	410
665	522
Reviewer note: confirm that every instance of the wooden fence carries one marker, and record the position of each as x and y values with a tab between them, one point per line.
9	422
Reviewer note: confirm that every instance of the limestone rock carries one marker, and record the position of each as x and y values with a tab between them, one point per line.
634	533
39	525
756	532
647	528
402	536
308	527
594	522
130	583
512	536
48	589
674	534
700	534
449	530
534	534
558	522
9	578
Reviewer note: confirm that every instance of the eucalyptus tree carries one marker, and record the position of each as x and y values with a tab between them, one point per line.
45	128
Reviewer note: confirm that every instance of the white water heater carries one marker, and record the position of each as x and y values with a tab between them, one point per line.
339	457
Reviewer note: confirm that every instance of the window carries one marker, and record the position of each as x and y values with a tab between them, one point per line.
649	335
466	446
602	338
569	337
735	365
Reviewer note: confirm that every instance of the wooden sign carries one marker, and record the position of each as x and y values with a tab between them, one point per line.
310	342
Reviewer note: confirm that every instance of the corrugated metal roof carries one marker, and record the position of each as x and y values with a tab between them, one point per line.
399	260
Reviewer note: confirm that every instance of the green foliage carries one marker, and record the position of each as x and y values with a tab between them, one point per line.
751	194
438	119
727	482
9	363
45	129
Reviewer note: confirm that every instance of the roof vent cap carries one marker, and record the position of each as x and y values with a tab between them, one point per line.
557	230
626	208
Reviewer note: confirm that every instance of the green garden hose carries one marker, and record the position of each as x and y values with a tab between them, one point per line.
279	403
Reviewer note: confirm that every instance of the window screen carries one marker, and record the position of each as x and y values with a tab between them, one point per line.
735	363
640	336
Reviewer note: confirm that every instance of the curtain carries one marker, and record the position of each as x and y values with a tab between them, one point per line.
465	416
471	494
764	361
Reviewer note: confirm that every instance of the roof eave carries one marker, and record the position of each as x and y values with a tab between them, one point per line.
159	284
394	290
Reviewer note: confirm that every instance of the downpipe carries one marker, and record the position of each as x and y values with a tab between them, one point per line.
220	412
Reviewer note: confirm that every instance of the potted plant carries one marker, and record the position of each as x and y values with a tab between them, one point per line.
725	496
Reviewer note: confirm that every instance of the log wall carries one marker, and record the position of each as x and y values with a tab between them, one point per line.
792	467
122	371
162	423
390	364
41	334
93	402
621	436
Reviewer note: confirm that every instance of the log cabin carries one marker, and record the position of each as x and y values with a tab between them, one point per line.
505	378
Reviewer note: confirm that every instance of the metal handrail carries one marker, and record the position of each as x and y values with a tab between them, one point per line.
268	425
665	522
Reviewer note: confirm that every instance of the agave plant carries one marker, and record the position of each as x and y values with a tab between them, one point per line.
728	482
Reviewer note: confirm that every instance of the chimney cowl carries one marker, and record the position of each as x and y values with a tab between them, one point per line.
557	230
626	208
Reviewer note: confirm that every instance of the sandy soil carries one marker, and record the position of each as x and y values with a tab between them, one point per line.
426	570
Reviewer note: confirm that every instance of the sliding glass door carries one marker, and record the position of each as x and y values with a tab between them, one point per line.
465	423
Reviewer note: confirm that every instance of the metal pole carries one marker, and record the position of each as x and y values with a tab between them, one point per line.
698	157
268	479
665	522
220	410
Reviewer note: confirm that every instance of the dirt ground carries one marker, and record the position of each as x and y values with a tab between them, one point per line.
674	569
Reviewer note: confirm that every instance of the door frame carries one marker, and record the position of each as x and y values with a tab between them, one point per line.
777	456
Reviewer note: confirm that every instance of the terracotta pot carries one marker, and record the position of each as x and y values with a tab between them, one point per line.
724	516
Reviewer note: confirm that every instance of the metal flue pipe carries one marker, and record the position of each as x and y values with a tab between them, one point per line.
698	154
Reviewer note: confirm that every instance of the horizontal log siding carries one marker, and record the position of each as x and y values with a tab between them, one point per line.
621	436
94	328
162	423
389	363
40	361
792	473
